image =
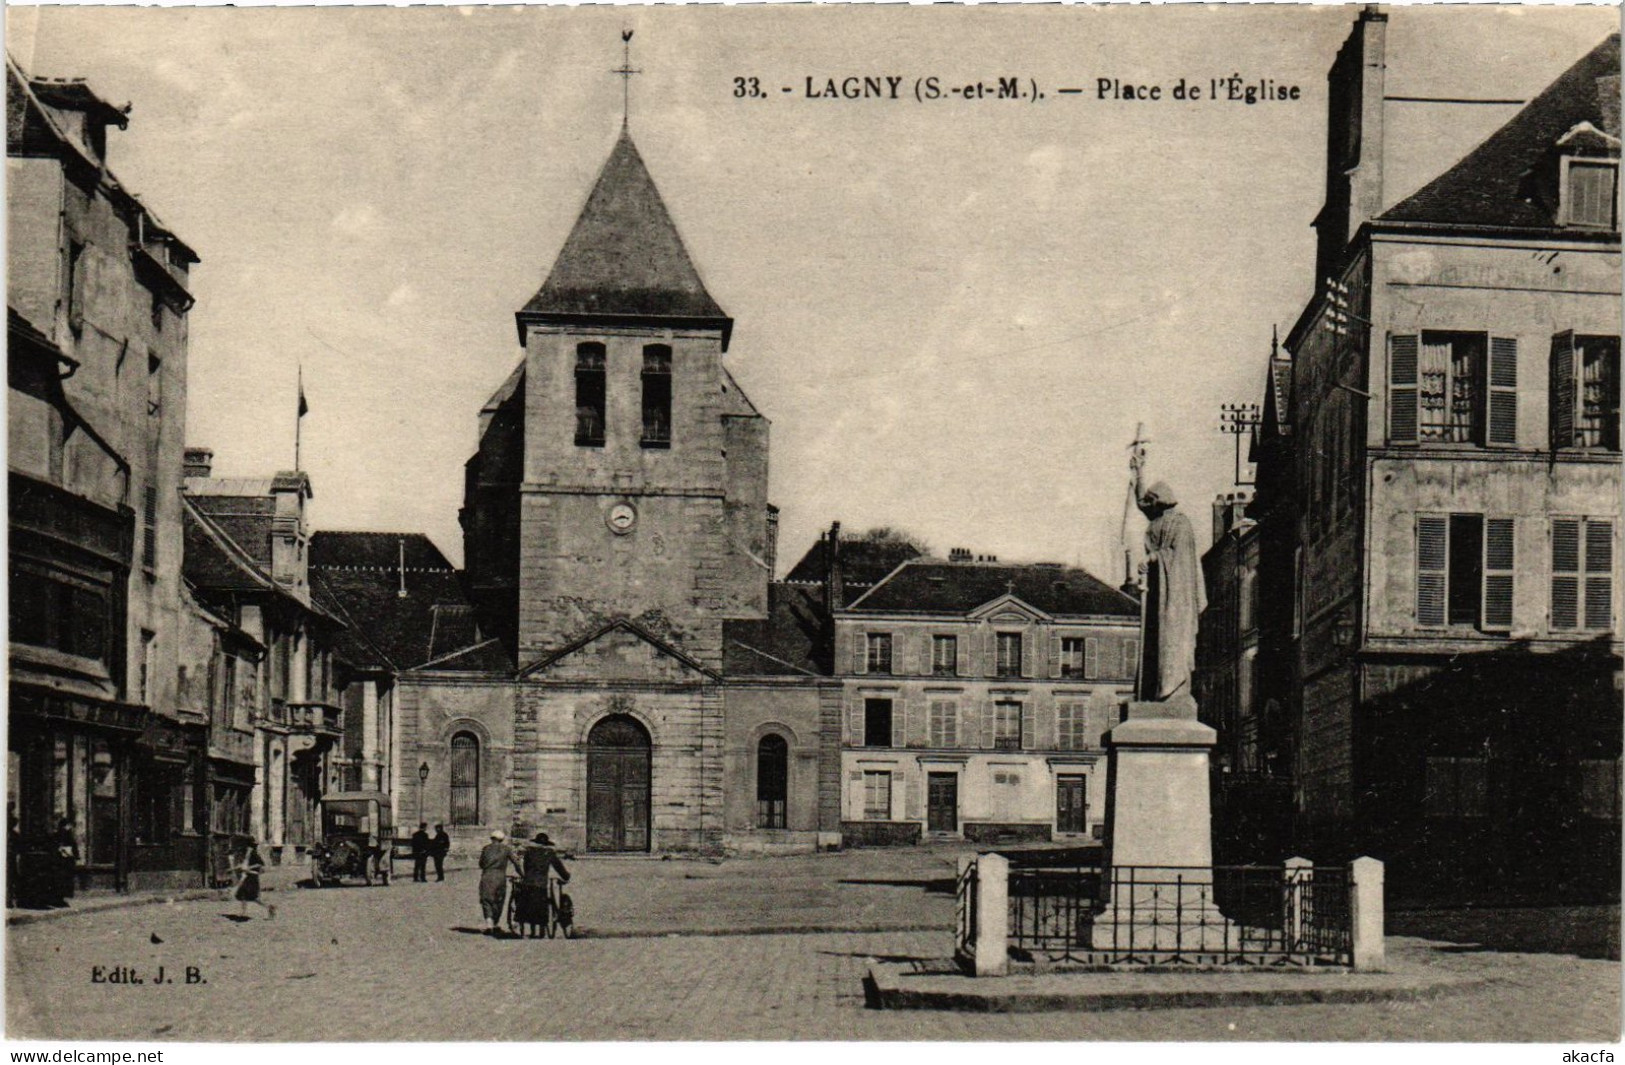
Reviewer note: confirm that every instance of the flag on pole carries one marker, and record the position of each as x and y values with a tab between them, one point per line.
304	408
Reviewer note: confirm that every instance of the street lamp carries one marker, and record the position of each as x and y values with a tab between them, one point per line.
423	779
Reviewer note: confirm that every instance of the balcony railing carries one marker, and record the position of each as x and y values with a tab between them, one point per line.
317	719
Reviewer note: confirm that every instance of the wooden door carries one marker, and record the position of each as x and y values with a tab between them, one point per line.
618	757
942	802
1071	805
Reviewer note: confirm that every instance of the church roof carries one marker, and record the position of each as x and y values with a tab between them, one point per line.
1491	185
624	257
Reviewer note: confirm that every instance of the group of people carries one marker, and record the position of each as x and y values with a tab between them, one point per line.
425	847
534	864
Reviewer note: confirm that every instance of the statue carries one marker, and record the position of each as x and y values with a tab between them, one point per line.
1174	596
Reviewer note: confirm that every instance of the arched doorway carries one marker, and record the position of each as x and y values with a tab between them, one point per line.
772	781
618	785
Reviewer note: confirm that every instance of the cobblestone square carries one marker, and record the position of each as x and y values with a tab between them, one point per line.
674	951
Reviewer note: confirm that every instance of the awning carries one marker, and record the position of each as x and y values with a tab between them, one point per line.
30	702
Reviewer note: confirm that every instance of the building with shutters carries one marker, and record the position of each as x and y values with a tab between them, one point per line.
976	694
1450	435
97	302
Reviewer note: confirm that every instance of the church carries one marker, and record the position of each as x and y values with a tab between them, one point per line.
664	692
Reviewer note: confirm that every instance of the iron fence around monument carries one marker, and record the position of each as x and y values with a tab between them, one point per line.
965	890
1177	916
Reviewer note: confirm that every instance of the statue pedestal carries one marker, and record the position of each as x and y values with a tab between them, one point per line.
1159	834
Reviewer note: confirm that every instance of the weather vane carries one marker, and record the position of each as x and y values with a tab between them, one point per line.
626	73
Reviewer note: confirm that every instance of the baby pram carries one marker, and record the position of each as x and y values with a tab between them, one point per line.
540	910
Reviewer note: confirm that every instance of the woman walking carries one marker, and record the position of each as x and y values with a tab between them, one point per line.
248	888
495	860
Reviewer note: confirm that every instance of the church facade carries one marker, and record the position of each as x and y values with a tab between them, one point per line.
665	694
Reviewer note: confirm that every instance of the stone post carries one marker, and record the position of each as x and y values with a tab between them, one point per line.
1365	913
992	915
1300	872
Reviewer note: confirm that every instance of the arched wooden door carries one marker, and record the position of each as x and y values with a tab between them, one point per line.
618	785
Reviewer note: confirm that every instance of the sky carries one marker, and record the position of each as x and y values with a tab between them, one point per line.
955	312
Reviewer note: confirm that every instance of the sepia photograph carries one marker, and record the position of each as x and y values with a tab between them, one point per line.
813	523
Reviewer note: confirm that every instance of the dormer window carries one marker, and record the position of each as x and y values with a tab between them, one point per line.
1588	178
1591	192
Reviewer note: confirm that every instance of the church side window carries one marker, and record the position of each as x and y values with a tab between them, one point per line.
590	395
657	396
465	779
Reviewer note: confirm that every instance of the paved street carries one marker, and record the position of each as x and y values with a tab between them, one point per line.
406	962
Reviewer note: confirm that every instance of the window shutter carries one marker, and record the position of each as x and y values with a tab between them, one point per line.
1028	639
1402	358
970	729
1498	554
1044	714
964	648
987	724
860	651
916	800
899	723
919	728
1091	657
1599	574
903	652
854	720
1564	392
1432	554
1028	727
1055	655
854	795
1131	657
1565	573
1502	422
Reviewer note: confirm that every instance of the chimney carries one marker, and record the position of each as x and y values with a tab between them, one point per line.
836	582
198	462
1354	140
290	560
959	554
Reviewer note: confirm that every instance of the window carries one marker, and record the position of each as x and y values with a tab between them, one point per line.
1464	565
1455	788
1452	388
1131	658
465	779
877	723
60	614
876	796
1008	663
879	652
1071	657
149	528
657	396
590	392
1599	788
944	656
1592	192
772	781
944	723
1585	391
1007	725
1582	574
1072	726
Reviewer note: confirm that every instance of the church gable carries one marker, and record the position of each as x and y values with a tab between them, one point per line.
621	651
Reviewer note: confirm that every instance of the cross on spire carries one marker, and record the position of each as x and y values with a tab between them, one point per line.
626	73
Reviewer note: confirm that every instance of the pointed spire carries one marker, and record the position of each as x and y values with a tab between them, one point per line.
624	258
626	73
